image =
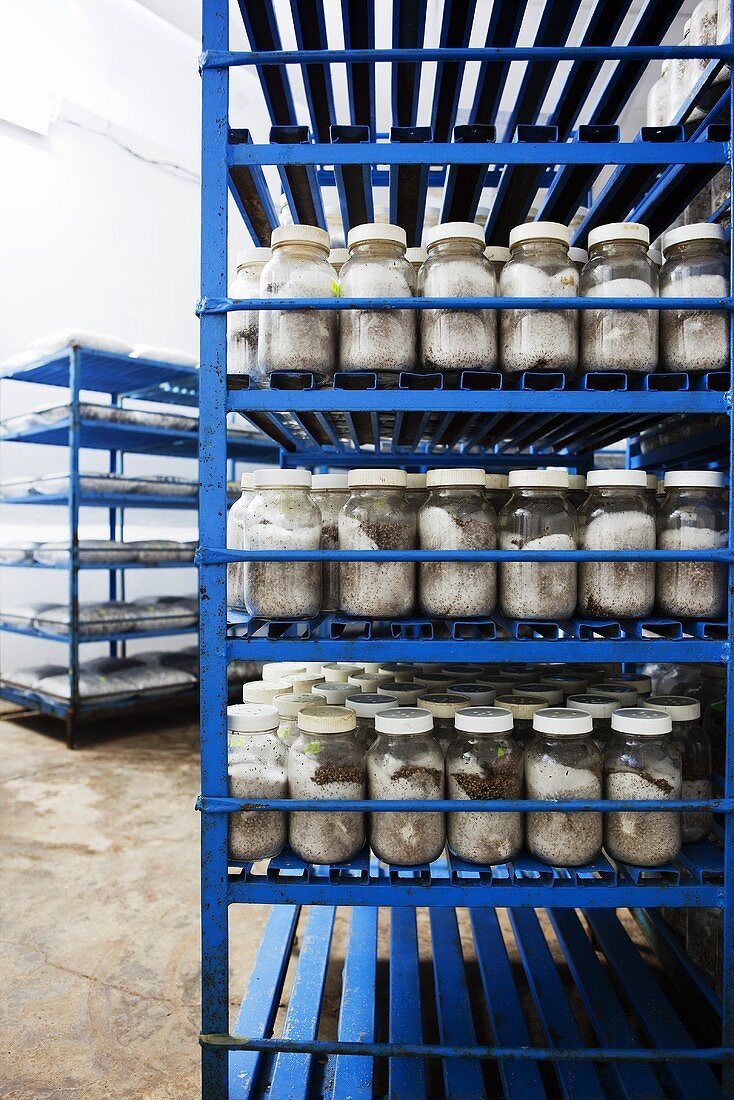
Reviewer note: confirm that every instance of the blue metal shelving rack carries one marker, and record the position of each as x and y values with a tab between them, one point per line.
459	1020
77	370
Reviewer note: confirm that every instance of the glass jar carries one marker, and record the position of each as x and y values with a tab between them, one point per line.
696	266
562	762
443	707
497	491
619	267
256	766
366	707
331	493
300	339
579	257
407	692
367	682
406	762
601	708
544	693
678	78
617	515
236	541
567	684
326	762
377	516
537	517
641	762
703	33
457	516
695	751
242	326
282	516
478	694
539	267
484	762
457	339
692	516
523	709
383	341
657	100
289	707
498	257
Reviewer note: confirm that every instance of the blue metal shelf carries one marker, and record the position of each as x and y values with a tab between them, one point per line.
104	565
105	636
87	709
113	500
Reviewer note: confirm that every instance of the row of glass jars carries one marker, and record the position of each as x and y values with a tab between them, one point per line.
709	24
375	513
450	340
647	757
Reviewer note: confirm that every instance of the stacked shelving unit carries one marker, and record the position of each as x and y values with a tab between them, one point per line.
617	1031
81	370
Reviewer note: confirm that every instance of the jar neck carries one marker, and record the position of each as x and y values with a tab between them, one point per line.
560	739
539	491
300	249
462	246
324	738
633	249
379	249
237	738
539	249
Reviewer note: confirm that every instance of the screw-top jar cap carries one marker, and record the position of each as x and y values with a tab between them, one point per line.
442	705
376	231
289	705
694	479
483	720
368	681
496	254
326	719
562	722
679	707
540	479
300	234
478	694
334	694
438	478
625	696
416	481
435	681
264	691
540	231
303	681
632	478
552	696
416	256
496	481
406	693
598	706
252	718
464	672
338	257
642	722
367	478
569	685
323	482
399	670
246	481
578	255
637	680
404	720
619	231
272	478
338	673
454	231
367	706
522	707
697	231
248	256
276	670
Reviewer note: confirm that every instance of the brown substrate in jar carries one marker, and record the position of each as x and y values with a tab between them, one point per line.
499	781
334	773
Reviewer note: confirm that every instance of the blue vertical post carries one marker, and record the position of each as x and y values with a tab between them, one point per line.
113	467
74	432
728	921
212	532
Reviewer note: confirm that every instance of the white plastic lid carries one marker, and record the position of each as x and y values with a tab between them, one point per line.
368	705
611	478
483	720
538	479
406	694
540	231
562	722
246	480
433	681
303	681
300	234
264	691
324	482
552	696
463	672
276	670
478	694
334	694
376	231
360	678
337	673
637	680
399	670
289	705
496	481
325	719
416	256
388	478
642	722
619	231
578	255
442	705
696	231
572	685
466	477
338	257
522	707
252	256
694	479
454	231
371	666
626	697
252	718
273	478
415	481
404	720
598	706
496	254
679	707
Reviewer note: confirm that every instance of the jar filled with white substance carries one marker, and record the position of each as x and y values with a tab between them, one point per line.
377	516
457	516
298	340
242	326
331	493
367	706
695	750
256	766
657	99
601	708
539	267
538	517
406	762
484	762
692	516
696	266
289	707
377	340
326	763
723	29
703	33
457	339
562	762
617	516
641	762
236	541
619	267
498	257
282	516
